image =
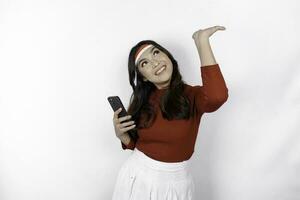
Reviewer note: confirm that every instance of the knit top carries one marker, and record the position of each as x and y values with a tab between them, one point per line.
174	140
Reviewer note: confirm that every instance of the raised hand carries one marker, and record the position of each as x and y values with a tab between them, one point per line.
204	34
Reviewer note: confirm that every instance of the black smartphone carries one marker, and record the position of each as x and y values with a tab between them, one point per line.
116	103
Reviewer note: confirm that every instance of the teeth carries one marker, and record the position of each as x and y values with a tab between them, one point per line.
163	68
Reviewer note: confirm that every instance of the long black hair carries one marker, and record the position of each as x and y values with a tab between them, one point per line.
173	103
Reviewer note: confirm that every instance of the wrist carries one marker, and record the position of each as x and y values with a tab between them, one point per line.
201	41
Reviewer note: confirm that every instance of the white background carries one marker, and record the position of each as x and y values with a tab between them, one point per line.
60	60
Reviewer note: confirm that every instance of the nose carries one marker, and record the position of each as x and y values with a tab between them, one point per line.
155	63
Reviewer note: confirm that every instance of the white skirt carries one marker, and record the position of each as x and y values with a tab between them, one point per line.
143	178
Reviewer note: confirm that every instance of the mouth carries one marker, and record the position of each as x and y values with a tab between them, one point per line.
160	70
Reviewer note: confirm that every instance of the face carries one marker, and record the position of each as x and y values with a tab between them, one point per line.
149	65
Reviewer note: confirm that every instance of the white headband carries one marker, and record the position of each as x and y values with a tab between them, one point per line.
142	51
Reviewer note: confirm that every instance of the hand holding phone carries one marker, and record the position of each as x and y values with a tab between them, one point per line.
121	117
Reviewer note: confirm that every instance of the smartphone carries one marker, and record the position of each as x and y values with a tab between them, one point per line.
116	103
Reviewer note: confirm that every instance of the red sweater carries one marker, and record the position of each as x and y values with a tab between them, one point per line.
174	141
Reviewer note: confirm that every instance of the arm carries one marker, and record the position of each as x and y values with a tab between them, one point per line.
213	93
205	52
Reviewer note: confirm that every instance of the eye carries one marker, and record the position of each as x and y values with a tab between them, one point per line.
142	63
155	51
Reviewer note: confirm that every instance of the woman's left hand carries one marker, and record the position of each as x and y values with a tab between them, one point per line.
204	34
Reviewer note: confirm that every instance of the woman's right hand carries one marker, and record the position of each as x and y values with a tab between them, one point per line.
122	128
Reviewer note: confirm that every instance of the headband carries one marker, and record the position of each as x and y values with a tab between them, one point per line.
141	50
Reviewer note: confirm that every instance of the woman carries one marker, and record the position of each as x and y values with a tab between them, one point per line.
166	112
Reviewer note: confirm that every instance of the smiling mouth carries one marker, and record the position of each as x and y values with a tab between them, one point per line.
160	70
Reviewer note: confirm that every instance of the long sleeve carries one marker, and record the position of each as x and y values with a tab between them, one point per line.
213	93
131	145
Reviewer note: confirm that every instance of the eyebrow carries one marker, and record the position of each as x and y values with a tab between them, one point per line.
144	58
